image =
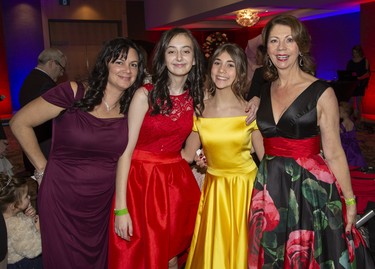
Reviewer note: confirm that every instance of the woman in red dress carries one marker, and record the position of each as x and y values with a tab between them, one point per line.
156	193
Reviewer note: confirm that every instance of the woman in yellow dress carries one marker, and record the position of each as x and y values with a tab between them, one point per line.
220	235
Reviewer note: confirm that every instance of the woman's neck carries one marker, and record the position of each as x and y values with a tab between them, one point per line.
176	85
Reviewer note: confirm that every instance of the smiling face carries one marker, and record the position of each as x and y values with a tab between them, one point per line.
122	73
179	55
223	71
282	48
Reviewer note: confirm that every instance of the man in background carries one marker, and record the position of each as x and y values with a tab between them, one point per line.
51	66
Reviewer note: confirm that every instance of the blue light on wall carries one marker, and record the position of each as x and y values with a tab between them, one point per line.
23	41
332	41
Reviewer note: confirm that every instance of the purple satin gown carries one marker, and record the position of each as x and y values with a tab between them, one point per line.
75	195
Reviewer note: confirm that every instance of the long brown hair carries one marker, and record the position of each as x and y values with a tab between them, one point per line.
240	84
301	37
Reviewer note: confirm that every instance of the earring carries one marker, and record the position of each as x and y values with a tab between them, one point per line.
269	62
300	62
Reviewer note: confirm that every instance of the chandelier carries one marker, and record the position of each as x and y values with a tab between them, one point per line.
247	17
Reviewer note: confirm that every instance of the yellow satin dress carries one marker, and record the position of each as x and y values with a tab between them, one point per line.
220	234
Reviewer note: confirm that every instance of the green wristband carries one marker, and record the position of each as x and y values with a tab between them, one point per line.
350	201
121	212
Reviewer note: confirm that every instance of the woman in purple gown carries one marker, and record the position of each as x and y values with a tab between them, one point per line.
89	134
348	136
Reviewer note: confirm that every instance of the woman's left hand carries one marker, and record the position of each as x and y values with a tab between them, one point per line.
351	215
251	109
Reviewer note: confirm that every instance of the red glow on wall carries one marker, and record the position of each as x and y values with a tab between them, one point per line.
5	104
368	101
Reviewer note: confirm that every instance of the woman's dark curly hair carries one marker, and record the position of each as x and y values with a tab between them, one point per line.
98	78
159	98
300	36
11	190
240	84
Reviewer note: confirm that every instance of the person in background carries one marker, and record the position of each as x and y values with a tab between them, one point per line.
258	80
3	141
297	219
3	228
220	235
348	136
90	134
156	193
360	68
51	66
24	242
3	243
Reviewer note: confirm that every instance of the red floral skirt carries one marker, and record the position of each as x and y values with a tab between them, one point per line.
296	215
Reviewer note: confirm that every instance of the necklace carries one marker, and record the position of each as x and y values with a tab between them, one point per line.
108	107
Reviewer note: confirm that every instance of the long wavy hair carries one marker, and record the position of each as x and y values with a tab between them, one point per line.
240	84
11	190
159	98
300	36
98	78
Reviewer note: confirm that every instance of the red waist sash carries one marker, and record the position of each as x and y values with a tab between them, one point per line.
292	148
157	157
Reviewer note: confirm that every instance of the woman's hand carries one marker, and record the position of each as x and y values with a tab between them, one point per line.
37	223
251	109
124	226
200	159
351	215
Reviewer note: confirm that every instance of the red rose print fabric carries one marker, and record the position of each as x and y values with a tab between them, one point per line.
296	213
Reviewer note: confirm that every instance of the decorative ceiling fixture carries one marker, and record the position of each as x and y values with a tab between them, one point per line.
247	17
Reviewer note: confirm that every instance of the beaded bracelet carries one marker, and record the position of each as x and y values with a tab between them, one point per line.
121	212
350	201
38	176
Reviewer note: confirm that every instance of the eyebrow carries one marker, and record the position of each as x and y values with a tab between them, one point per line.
187	46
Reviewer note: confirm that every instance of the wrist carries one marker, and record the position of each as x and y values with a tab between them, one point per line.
121	212
38	175
350	201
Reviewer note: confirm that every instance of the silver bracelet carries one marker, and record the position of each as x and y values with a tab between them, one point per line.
38	175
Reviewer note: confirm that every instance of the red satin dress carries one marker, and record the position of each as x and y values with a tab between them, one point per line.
162	194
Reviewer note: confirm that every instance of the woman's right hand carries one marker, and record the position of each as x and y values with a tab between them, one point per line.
124	226
200	159
351	213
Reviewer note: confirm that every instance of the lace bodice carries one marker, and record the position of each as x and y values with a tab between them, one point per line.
167	133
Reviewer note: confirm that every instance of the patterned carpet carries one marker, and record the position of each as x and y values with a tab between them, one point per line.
367	144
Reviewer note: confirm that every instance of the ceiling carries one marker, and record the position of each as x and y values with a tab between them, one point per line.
224	18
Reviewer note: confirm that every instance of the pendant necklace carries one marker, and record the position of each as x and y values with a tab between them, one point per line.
108	107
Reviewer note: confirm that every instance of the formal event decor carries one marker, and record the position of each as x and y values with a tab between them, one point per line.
247	17
212	42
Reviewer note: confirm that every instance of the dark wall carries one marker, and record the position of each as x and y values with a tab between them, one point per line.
332	42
